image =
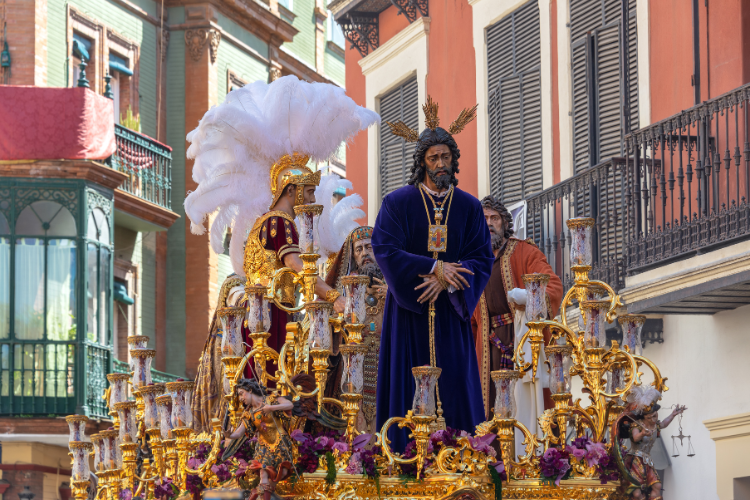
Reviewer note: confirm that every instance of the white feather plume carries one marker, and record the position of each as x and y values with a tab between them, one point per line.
237	141
336	221
643	396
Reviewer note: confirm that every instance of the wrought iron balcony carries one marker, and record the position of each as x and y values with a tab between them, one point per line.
157	376
148	165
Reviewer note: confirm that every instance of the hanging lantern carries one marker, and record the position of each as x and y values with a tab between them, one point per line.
164	407
631	325
580	245
231	326
425	379
77	427
355	308
81	452
594	314
320	331
307	224
126	411
505	392
182	393
560	362
142	359
352	376
536	296
150	410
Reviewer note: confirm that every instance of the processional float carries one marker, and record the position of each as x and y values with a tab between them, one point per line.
152	442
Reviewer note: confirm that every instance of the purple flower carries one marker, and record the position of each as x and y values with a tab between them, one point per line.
483	444
355	464
594	453
340	447
499	467
163	489
194	462
222	472
361	441
554	465
577	452
241	468
195	485
126	494
300	436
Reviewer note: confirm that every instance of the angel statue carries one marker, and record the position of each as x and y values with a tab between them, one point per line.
266	420
641	425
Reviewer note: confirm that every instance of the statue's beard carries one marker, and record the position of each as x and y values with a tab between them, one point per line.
370	269
441	181
498	240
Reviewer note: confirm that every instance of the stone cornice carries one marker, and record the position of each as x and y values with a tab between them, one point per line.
88	170
733	426
400	42
300	69
144	210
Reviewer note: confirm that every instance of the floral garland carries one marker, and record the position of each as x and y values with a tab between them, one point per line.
555	464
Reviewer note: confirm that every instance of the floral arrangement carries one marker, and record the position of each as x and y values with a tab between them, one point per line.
556	465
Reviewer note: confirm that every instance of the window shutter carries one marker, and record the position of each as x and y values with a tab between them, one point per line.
402	103
608	103
581	119
515	132
633	66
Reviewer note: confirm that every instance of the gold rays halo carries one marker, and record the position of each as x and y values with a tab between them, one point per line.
432	121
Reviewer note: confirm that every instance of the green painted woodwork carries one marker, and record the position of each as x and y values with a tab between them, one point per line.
40	374
303	45
334	67
148	165
225	268
176	234
244	36
241	63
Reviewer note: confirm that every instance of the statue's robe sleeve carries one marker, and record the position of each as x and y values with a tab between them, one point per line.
528	259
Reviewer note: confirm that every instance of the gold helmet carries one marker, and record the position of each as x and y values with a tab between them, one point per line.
292	169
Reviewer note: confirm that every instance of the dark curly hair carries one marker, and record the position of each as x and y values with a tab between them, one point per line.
491	203
251	385
427	139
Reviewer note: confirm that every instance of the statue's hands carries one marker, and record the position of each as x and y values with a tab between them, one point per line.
452	274
227	433
679	410
379	288
432	288
268	409
518	297
339	304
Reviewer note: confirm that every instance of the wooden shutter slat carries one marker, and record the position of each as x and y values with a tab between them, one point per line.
402	103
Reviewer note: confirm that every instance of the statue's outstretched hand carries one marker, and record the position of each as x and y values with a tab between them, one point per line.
432	288
339	305
452	274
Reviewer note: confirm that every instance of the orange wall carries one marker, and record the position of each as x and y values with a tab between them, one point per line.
390	23
356	154
451	77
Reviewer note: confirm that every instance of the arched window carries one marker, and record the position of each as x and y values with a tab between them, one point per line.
98	277
45	273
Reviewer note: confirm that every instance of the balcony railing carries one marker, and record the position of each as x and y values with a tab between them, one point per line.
148	165
683	187
699	200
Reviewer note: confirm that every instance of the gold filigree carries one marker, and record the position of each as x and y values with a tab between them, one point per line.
431	119
464	118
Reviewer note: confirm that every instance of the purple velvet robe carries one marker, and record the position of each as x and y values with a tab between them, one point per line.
399	241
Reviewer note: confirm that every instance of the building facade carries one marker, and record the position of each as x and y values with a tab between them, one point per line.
633	112
95	251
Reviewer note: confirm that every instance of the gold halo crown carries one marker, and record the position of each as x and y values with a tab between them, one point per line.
432	121
292	169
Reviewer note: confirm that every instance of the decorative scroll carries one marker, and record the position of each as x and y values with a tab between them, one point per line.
361	29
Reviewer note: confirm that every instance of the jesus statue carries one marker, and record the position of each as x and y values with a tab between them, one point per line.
432	244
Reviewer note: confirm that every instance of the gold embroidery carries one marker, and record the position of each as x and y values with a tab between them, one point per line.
484	329
273	232
506	270
289	240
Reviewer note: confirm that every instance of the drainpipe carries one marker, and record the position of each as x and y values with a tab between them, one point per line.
696	54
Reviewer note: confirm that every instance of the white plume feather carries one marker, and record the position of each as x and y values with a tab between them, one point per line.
336	221
642	396
237	142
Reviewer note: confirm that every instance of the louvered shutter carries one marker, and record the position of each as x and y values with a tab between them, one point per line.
633	67
608	100
581	119
402	103
513	71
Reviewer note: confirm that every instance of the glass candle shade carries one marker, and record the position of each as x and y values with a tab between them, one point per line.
580	245
77	427
631	325
594	313
231	330
559	360
118	384
81	452
505	392
352	375
616	379
320	330
98	441
150	410
128	426
536	296
425	379
355	308
136	342
307	226
258	313
182	394
164	407
141	359
111	458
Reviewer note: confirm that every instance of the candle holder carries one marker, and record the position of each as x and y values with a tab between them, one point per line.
352	383
98	441
231	367
182	392
118	392
112	459
425	379
536	296
81	474
128	425
355	308
167	442
150	409
320	331
184	447
258	312
631	325
505	395
594	313
308	216
231	319
142	359
581	254
77	427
